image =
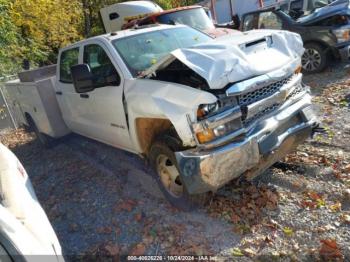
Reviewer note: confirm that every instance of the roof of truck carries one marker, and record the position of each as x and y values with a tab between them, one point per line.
127	33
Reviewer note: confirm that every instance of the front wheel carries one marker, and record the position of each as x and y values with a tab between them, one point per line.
315	58
167	175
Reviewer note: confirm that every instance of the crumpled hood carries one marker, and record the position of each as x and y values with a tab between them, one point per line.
233	58
340	7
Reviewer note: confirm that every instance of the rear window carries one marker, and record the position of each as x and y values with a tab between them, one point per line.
68	59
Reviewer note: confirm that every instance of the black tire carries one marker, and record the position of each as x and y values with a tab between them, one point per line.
315	58
183	201
44	140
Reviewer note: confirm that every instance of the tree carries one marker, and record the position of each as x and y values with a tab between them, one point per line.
9	41
36	29
45	26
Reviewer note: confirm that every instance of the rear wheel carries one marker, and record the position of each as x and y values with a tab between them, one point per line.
315	58
45	140
167	175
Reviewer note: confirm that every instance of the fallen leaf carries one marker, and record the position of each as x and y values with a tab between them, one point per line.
288	231
329	250
308	204
268	239
235	219
314	196
127	205
346	219
249	252
237	252
320	203
138	217
336	207
138	250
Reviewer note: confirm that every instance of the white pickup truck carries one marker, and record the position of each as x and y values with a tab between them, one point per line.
203	111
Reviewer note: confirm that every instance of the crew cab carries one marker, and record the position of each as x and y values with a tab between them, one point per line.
202	111
325	31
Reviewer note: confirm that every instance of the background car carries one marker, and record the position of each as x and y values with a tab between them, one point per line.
325	32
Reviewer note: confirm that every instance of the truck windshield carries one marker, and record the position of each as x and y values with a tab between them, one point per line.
196	18
141	51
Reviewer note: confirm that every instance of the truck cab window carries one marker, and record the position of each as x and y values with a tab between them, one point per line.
264	20
102	69
68	59
269	20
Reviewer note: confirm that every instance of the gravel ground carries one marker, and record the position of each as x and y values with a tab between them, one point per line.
102	201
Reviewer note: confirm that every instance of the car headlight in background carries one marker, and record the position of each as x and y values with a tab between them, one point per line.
342	34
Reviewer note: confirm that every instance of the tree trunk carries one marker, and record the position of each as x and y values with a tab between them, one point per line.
87	18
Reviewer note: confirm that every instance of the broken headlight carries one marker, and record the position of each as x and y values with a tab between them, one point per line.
216	125
206	110
342	34
208	134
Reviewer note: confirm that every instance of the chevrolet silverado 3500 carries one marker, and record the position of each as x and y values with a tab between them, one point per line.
203	111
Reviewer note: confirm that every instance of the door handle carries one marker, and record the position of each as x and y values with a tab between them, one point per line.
84	95
58	93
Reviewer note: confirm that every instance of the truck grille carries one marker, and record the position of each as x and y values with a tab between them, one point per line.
266	91
247	122
246	99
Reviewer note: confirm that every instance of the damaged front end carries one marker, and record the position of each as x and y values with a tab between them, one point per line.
262	112
266	118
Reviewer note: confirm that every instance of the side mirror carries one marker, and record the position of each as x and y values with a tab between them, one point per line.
82	78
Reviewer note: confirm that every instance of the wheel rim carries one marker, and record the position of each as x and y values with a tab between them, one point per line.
311	59
169	176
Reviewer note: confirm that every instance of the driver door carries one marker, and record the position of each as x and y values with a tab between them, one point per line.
105	118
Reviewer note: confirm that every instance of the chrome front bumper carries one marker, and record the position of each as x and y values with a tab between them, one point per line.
208	169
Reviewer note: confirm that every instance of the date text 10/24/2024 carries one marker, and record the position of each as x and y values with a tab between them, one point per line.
171	258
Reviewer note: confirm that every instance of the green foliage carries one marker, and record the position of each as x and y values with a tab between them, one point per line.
46	26
36	29
9	40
